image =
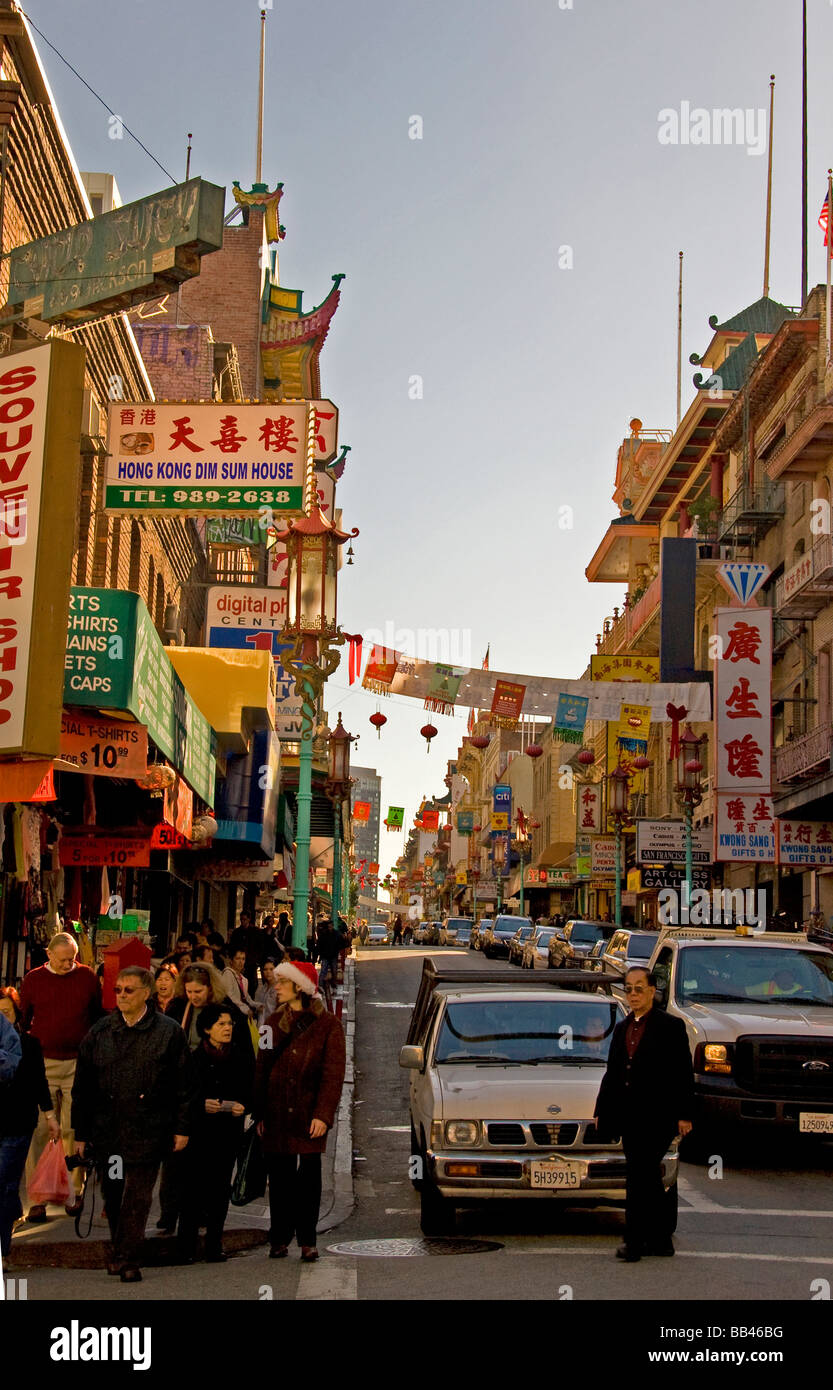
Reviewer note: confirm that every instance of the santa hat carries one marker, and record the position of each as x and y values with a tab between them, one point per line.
301	972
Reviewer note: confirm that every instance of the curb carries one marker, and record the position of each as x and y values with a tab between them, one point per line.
344	1197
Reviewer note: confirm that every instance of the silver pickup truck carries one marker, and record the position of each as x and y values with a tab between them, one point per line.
758	1011
504	1080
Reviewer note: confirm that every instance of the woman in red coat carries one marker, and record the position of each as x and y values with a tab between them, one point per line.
300	1073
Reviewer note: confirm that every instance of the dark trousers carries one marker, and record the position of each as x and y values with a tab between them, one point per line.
294	1197
647	1210
13	1151
170	1188
127	1201
207	1188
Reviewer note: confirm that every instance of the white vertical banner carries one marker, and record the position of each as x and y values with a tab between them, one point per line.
744	826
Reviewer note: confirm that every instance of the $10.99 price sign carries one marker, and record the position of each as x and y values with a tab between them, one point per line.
104	747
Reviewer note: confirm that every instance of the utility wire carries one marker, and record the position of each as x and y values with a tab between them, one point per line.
40	33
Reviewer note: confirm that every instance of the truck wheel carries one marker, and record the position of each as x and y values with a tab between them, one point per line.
436	1213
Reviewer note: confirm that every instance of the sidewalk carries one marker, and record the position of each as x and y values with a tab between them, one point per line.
56	1246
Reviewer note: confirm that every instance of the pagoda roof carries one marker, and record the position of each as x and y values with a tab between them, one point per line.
291	342
764	316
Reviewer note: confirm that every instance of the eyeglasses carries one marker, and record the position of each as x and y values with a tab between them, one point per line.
635	989
126	989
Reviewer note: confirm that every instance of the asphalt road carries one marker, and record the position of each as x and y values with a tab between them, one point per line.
762	1231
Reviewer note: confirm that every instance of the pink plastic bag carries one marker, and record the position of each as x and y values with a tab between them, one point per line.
50	1180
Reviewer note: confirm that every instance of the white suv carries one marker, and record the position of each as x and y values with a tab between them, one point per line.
504	1080
758	1011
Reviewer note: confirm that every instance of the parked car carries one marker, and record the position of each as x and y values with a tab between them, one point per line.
450	928
419	933
758	1011
518	941
464	933
593	959
520	1129
536	949
476	943
497	937
569	948
626	948
377	935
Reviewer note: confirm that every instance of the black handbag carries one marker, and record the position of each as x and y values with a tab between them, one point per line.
250	1178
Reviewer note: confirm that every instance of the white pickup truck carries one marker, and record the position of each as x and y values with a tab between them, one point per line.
504	1080
759	1015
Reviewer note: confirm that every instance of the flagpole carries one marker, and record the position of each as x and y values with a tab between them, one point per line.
829	255
259	160
804	152
680	339
769	184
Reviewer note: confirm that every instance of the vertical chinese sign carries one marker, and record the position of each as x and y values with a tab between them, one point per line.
41	394
744	818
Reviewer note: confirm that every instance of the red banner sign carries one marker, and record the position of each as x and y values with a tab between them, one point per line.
86	846
507	703
104	747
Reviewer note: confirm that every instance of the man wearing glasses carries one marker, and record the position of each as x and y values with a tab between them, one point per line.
130	1104
646	1096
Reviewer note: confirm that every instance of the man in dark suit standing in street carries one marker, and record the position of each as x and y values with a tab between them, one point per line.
646	1096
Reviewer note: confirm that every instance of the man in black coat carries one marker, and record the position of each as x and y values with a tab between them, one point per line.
131	1102
647	1097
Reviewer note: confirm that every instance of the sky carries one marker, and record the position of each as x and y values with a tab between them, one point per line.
510	300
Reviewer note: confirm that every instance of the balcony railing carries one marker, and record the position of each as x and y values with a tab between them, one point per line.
621	630
807	586
751	512
807	756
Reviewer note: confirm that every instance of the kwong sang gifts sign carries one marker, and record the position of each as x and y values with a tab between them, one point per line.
211	457
744	821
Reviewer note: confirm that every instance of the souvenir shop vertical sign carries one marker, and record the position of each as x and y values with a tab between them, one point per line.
41	394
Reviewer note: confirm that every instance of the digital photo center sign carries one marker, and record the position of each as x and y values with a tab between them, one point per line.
214	457
250	619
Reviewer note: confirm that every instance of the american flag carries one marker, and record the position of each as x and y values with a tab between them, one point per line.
823	218
484	667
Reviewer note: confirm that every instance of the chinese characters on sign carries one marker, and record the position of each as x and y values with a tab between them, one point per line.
208	458
744	823
507	703
589	809
805	842
630	667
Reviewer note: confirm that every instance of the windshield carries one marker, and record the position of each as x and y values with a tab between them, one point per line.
527	1031
524	932
511	924
544	936
763	974
585	932
457	923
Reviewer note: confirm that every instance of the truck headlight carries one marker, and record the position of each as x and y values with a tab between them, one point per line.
715	1058
465	1132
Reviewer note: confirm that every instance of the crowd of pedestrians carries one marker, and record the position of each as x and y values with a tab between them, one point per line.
221	1036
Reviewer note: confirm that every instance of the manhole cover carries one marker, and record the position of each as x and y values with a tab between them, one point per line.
404	1249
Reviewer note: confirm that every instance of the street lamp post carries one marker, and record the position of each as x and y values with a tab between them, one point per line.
338	785
689	793
617	806
311	626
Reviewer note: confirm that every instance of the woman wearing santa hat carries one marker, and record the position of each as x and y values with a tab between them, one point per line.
300	1074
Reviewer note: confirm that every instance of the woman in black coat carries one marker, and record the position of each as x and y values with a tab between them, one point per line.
222	1076
20	1099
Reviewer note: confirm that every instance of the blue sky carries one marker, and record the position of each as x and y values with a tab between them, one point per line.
539	131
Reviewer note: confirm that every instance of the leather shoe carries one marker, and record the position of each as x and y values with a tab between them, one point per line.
114	1266
667	1248
309	1254
37	1215
131	1274
216	1257
278	1252
628	1254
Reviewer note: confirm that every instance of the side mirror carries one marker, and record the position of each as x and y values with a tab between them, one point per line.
412	1058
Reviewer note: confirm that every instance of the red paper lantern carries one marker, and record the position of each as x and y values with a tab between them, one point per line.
428	732
534	824
481	740
476	829
377	720
641	762
586	757
694	765
534	750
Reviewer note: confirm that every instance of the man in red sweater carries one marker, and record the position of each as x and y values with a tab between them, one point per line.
60	1002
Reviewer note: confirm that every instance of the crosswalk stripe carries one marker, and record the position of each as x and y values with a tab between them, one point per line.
328	1280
